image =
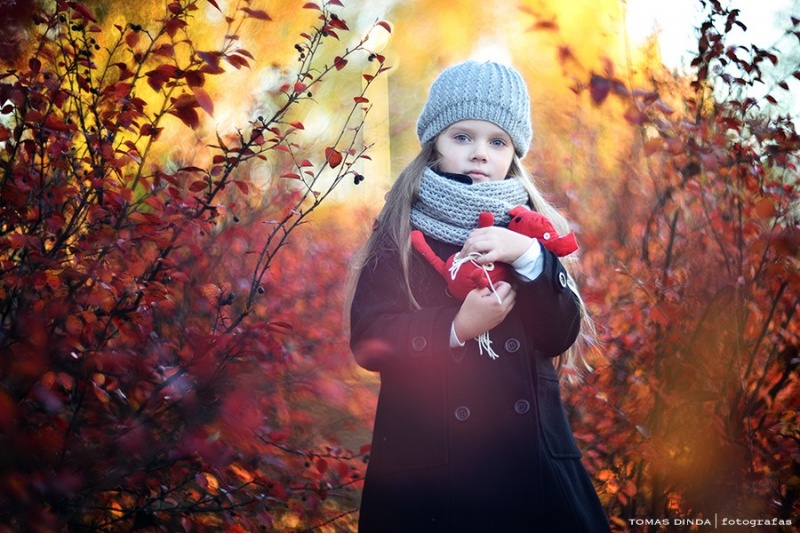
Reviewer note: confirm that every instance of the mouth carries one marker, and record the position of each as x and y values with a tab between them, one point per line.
476	174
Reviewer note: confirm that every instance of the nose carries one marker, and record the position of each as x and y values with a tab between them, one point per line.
478	152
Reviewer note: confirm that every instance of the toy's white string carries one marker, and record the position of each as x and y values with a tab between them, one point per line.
484	342
472	257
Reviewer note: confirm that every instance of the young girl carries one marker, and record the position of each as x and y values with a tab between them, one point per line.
462	441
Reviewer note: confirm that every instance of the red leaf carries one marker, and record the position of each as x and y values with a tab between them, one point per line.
212	62
243	187
214	3
765	208
82	11
385	25
194	78
161	74
121	90
339	23
257	13
54	123
333	156
279	325
147	129
236	61
339	63
243	52
173	25
311	5
299	87
132	38
361	100
292	175
204	100
599	88
634	116
198	186
322	465
298	125
343	469
188	115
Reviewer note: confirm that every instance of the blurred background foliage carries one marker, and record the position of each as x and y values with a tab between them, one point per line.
681	187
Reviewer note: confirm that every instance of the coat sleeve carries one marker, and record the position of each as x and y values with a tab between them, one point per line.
550	307
384	329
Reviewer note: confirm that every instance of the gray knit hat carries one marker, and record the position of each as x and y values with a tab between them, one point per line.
479	91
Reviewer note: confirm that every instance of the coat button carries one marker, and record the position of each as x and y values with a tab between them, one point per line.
462	413
419	343
512	345
562	279
522	406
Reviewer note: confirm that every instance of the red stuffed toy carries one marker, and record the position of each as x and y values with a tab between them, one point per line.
462	274
533	224
465	274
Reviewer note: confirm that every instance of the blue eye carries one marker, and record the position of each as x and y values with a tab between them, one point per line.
461	137
498	142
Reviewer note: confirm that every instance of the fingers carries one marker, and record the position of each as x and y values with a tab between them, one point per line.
483	309
503	296
496	244
503	290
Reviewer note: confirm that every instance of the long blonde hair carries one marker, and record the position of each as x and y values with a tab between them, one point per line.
392	231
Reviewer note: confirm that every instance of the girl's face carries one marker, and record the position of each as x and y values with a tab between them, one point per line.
480	149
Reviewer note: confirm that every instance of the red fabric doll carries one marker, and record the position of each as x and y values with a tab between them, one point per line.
462	274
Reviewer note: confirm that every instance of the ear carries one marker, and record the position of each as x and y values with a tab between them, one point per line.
518	218
516	211
485	219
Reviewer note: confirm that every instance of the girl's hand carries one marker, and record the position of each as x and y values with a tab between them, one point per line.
496	244
481	310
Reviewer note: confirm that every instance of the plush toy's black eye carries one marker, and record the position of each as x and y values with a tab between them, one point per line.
518	218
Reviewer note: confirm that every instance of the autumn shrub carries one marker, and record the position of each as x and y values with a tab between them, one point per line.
693	276
144	362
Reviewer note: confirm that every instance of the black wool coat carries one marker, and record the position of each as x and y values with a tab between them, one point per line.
464	443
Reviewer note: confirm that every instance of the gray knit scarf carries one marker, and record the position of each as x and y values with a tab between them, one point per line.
447	209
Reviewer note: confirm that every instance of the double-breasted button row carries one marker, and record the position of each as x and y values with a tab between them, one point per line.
522	406
419	343
512	345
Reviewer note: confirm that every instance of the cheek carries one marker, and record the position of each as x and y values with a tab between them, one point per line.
507	161
448	159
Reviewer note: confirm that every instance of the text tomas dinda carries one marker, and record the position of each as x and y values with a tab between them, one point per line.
677	522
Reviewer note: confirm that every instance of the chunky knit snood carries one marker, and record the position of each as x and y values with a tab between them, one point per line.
448	210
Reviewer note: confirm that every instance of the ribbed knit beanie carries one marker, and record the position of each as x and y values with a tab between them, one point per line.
479	91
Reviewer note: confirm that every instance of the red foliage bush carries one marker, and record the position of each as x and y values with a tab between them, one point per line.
692	271
143	379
